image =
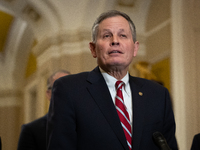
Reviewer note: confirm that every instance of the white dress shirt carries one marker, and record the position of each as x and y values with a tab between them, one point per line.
126	91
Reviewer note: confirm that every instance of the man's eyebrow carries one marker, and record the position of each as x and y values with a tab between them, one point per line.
105	30
120	30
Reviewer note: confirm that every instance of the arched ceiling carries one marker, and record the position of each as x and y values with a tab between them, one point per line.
25	21
47	16
6	21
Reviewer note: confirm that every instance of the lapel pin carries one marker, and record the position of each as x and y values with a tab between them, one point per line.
140	93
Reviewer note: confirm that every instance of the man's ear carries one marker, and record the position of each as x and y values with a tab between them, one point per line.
92	49
48	94
136	48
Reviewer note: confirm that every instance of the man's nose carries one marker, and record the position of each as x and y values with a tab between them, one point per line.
114	41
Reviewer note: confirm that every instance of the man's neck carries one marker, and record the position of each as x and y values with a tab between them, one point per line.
118	74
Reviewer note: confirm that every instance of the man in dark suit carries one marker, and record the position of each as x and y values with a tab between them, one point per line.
33	134
196	142
83	114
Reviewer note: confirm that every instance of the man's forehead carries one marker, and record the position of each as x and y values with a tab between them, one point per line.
108	30
116	21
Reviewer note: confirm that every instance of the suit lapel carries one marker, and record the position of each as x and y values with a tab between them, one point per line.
138	103
100	93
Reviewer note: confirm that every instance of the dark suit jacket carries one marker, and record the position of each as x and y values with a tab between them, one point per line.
196	142
33	135
82	115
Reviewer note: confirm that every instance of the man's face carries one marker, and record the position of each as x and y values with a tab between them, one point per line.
114	46
55	77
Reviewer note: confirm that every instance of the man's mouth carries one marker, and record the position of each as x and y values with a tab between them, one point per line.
115	51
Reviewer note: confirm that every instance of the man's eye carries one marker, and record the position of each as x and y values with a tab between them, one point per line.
106	35
123	35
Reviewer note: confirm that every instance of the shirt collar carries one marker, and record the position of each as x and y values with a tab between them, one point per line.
110	80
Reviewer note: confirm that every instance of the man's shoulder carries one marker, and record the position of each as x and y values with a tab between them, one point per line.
197	136
147	83
141	80
81	77
38	123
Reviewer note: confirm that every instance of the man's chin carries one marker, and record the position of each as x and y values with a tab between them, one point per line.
117	65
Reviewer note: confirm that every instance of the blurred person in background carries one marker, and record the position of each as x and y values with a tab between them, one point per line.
33	134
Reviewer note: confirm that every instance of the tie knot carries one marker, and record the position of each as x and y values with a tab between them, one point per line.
119	84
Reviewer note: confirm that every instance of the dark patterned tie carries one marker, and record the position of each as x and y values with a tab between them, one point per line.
122	113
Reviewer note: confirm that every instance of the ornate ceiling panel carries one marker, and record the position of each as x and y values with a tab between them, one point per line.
6	21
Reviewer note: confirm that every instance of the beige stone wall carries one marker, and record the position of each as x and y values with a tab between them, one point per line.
11	116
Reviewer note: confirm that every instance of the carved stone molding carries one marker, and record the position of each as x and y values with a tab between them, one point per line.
129	3
10	98
10	93
61	38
